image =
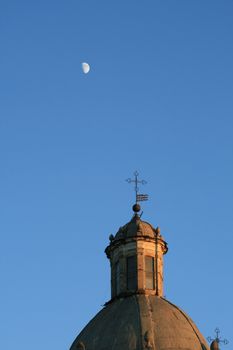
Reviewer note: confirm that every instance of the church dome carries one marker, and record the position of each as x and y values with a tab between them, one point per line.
136	228
138	317
140	322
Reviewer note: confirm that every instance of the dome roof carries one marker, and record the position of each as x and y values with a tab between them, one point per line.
136	228
140	322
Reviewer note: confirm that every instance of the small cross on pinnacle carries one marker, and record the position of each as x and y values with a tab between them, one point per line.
136	181
217	338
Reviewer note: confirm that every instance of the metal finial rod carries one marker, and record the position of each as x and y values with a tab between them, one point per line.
139	197
218	338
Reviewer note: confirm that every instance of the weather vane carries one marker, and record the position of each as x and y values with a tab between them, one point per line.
217	338
136	181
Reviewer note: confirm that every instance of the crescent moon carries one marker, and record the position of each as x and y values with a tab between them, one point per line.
85	67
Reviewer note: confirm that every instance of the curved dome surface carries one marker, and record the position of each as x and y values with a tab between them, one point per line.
140	322
136	228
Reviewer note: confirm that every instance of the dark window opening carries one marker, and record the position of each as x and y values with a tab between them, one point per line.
132	273
117	278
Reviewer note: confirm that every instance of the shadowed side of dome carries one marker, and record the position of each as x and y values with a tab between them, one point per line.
141	322
116	326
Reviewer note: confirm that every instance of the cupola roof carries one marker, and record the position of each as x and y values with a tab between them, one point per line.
136	228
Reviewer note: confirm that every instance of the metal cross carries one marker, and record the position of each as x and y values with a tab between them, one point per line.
217	338
139	197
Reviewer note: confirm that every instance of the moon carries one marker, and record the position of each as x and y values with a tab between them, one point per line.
85	67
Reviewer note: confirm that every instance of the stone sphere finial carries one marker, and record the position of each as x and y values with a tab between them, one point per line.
136	208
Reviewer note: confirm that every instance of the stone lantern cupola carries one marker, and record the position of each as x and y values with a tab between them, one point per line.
136	258
137	317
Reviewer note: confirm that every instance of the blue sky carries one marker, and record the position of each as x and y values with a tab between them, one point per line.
158	99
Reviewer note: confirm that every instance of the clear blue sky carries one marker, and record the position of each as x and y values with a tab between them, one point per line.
158	99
